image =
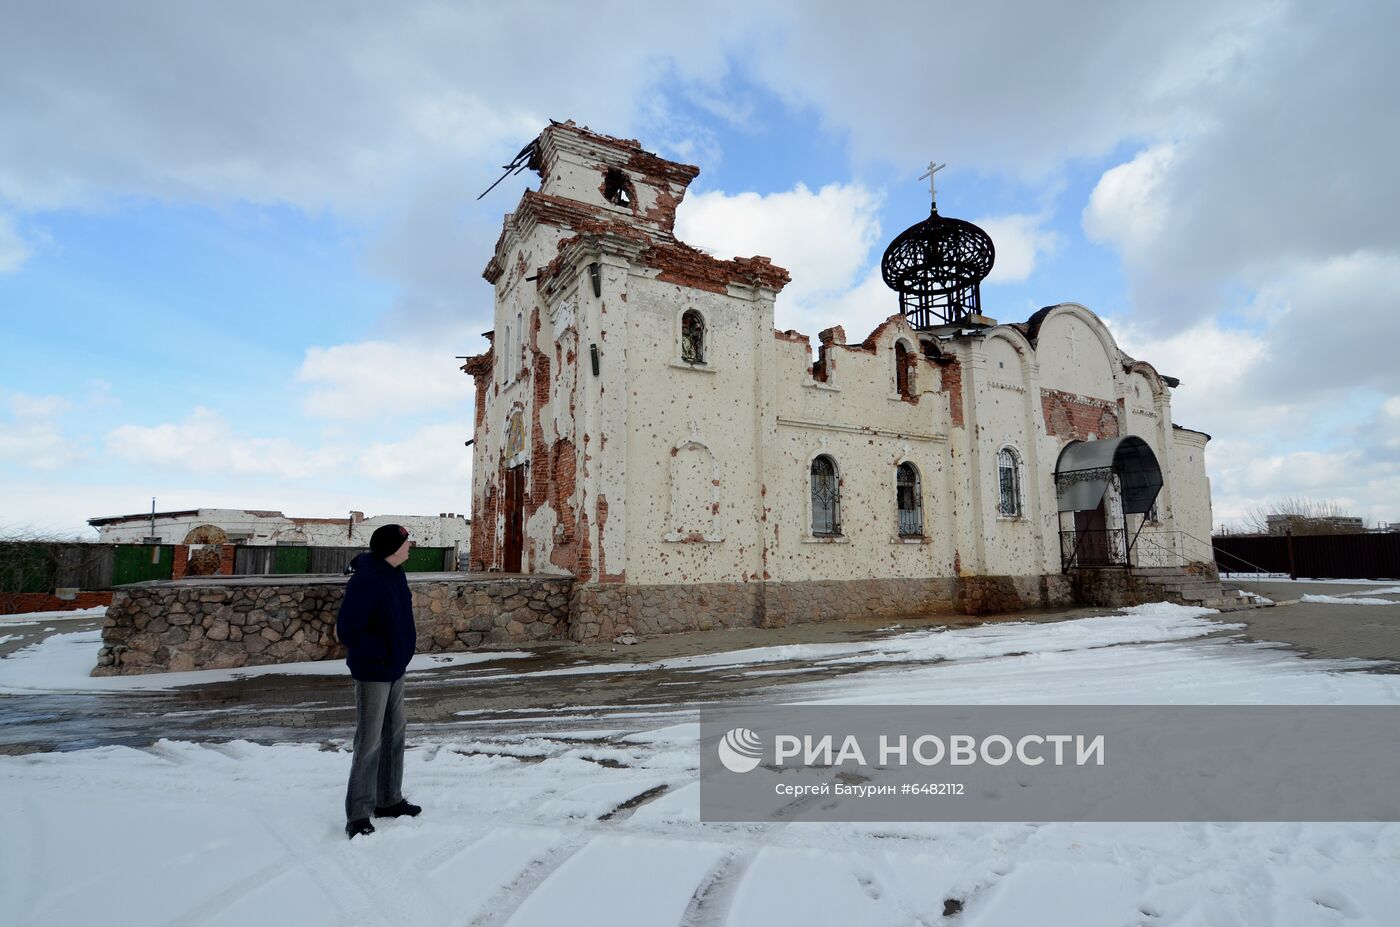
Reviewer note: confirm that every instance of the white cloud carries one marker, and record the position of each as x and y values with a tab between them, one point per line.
823	238
26	406
206	443
434	452
1013	86
13	249
381	378
1021	241
37	445
1125	209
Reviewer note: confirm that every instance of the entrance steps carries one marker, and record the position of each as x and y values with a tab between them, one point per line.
1175	584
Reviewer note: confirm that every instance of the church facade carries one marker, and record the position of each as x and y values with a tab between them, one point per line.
641	426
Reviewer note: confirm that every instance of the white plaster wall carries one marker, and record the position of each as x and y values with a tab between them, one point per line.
859	420
1076	354
1191	506
1003	411
670	405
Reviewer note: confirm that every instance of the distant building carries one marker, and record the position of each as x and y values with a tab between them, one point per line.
253	526
1329	524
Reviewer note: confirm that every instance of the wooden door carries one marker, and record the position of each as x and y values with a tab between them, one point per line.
1091	530
515	519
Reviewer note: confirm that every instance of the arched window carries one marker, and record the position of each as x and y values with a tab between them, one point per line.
505	355
692	337
901	370
909	497
1009	477
518	362
826	497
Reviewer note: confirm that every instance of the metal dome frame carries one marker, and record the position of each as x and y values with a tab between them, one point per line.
937	267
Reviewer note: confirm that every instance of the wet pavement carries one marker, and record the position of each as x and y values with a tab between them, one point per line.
1325	630
545	690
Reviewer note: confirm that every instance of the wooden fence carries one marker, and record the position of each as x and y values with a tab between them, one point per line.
42	567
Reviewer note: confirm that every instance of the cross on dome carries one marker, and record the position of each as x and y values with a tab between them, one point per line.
932	190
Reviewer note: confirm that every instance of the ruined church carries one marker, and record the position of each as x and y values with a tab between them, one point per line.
641	426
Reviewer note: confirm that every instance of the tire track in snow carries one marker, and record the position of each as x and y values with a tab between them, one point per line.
221	901
348	884
714	896
501	906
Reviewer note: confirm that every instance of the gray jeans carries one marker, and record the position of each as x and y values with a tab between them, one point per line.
376	772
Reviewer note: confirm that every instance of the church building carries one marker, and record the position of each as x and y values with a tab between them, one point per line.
641	426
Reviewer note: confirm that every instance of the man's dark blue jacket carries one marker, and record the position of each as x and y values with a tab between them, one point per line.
376	621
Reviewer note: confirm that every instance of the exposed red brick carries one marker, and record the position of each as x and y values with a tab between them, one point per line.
583	568
681	264
603	575
1068	415
951	373
18	603
793	337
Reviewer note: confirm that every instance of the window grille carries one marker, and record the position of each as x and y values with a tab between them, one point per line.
826	497
910	501
1009	477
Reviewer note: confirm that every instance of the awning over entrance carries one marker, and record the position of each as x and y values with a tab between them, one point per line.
1085	467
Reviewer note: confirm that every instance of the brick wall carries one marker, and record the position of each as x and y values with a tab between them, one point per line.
18	603
1068	415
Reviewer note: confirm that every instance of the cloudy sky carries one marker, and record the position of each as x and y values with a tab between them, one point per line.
240	247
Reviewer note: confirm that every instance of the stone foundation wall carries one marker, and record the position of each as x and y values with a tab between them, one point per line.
1111	588
987	595
179	626
222	623
602	611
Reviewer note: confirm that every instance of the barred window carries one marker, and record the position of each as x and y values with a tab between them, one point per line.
826	497
1009	476
692	337
910	501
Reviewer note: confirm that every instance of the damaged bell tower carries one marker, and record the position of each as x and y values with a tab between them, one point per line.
587	275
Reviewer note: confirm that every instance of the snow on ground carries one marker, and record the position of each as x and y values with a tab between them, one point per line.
62	662
599	826
1284	578
1345	600
24	618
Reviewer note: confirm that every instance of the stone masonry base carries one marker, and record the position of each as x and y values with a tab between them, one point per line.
220	622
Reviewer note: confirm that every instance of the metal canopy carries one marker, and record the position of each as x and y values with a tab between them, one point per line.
1085	467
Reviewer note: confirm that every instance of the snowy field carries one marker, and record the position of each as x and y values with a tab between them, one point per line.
592	820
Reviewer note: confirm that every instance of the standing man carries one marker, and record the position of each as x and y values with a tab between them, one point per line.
376	626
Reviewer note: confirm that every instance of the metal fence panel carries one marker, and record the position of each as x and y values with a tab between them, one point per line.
1321	556
427	560
139	563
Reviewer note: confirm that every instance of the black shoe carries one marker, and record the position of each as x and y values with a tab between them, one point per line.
358	828
398	810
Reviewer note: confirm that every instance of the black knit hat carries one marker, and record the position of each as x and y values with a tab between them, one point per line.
387	539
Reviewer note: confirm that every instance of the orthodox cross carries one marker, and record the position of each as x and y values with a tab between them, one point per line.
1074	344
932	191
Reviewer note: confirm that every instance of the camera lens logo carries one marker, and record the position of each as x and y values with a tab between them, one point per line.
740	750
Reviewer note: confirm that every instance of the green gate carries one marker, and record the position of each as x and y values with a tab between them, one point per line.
427	560
291	558
132	563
